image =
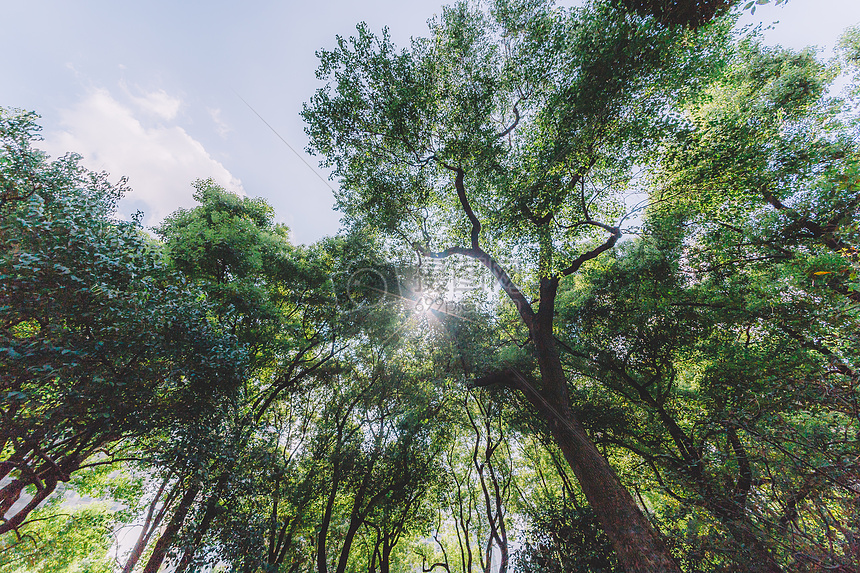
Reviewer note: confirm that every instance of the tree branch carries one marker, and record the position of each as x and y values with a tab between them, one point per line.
508	285
608	244
516	120
464	202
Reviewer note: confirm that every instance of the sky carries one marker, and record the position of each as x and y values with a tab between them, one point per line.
167	92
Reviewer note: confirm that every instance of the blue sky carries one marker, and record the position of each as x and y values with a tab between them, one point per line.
151	90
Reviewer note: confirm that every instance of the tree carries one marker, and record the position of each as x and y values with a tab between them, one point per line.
513	130
335	479
747	299
101	342
275	299
75	529
718	349
295	310
475	496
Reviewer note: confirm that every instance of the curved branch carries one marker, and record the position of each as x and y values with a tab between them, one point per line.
500	274
608	244
825	233
464	202
516	120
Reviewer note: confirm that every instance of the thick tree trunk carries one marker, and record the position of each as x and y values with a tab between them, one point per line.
637	544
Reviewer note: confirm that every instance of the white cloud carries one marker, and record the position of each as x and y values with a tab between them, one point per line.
160	161
220	126
157	103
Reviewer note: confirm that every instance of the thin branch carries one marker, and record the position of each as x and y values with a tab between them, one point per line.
508	285
516	120
464	202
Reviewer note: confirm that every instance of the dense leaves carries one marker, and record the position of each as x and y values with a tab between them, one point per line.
684	398
100	341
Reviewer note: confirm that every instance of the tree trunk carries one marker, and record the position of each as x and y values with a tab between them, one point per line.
385	558
15	521
166	540
208	515
357	515
322	563
150	524
636	543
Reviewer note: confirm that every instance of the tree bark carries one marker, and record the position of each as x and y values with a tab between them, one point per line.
208	515
636	543
322	536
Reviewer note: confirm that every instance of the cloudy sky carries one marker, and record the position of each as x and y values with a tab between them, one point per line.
154	90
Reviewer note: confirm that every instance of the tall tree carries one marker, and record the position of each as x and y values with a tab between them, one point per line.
273	296
275	299
513	129
755	235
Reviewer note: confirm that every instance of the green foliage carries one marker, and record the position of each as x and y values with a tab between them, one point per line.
300	412
563	538
74	530
524	99
72	540
100	342
849	46
273	296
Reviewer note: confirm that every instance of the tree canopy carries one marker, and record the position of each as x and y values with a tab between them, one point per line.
594	308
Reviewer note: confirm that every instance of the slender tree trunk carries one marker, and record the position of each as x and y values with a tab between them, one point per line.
357	515
322	563
208	515
347	545
385	558
149	525
166	540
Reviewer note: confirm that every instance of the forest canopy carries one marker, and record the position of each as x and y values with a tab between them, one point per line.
594	307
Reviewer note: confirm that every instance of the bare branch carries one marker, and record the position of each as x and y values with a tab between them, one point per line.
516	120
464	202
